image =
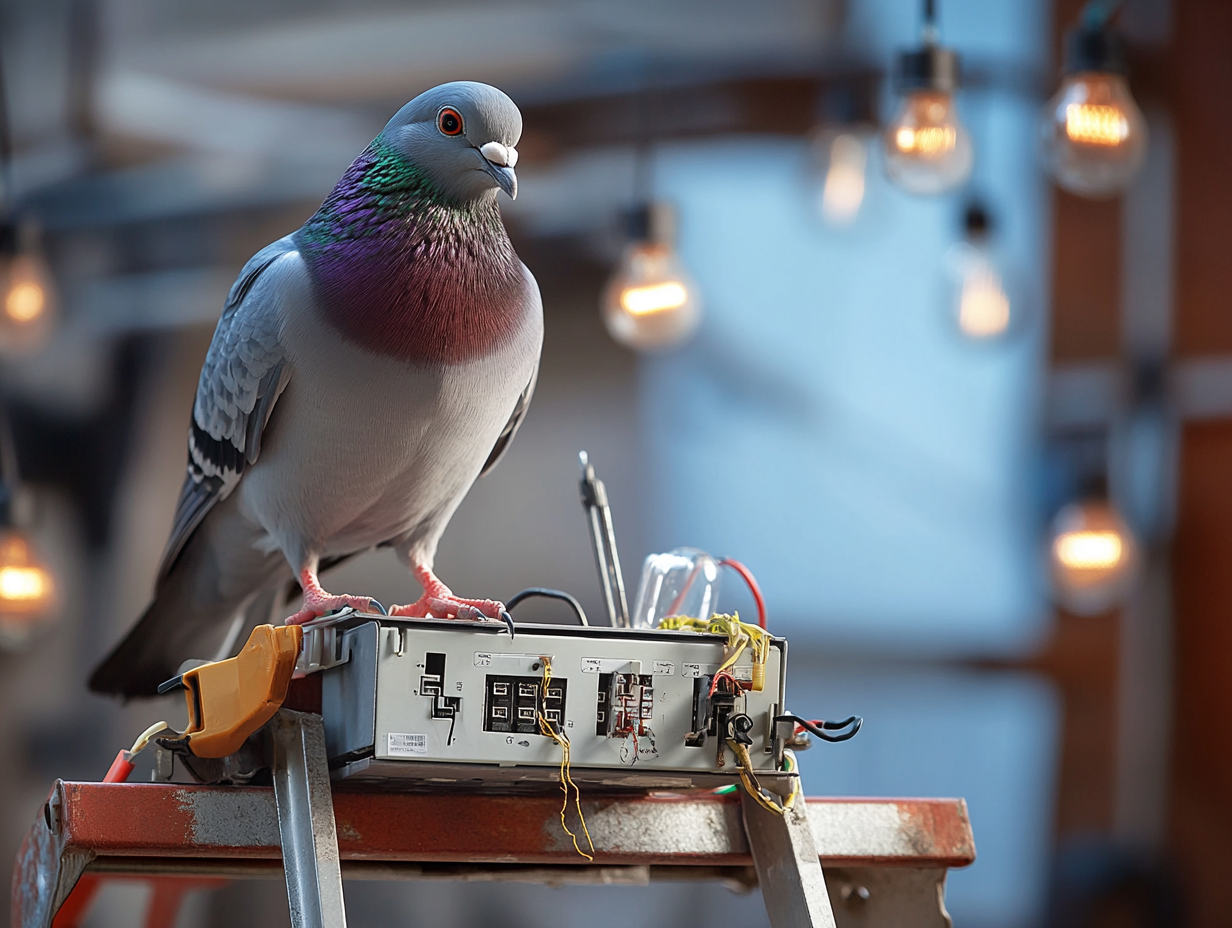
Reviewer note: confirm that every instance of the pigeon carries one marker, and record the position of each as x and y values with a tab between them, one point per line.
366	370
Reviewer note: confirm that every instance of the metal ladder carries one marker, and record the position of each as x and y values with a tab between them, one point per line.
784	853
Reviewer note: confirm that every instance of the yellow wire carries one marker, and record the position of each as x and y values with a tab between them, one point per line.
566	779
754	788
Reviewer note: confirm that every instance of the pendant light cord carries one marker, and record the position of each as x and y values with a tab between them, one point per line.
929	31
1097	13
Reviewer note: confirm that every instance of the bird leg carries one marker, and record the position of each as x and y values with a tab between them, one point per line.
438	601
317	602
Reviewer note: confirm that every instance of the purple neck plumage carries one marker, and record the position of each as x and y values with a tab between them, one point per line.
406	272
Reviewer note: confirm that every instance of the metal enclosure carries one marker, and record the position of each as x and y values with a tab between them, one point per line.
440	701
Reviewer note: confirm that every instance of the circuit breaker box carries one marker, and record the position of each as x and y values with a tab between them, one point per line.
444	701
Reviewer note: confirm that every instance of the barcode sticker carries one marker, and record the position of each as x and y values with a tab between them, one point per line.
403	745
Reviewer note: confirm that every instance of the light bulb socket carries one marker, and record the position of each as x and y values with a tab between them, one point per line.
1092	48
653	223
977	223
847	102
10	239
930	67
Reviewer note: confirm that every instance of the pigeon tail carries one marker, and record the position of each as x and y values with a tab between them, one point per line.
213	595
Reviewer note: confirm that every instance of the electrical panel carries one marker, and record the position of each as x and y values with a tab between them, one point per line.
434	702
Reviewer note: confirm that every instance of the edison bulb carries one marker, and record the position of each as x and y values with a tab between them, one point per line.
1093	555
928	150
650	302
27	589
27	306
979	299
1094	134
840	159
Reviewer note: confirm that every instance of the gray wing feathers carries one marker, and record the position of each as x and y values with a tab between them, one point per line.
243	375
511	427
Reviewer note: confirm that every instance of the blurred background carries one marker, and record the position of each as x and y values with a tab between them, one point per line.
926	320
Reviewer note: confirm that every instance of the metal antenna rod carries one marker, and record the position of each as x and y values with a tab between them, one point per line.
603	539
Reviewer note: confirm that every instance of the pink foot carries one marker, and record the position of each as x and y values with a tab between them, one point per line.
317	602
439	602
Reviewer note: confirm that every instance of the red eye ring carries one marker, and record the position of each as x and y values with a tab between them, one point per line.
449	121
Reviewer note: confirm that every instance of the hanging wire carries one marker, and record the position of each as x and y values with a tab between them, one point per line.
545	593
929	30
1096	14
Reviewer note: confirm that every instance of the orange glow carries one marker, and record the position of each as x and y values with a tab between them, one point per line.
928	141
1096	124
26	587
654	298
23	584
25	301
1089	550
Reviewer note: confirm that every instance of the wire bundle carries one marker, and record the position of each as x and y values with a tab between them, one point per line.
566	780
740	635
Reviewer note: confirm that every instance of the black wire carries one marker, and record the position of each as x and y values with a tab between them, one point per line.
820	730
545	593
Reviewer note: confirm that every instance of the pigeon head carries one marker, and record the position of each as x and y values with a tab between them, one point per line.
461	135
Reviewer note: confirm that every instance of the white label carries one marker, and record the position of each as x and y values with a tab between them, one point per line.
610	665
664	668
696	670
485	658
404	745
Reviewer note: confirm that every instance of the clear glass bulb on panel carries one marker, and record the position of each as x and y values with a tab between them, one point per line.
651	302
840	162
1094	135
928	150
1093	555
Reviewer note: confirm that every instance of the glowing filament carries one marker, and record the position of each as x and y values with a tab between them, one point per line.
1095	124
984	309
25	301
654	298
927	140
23	584
1089	550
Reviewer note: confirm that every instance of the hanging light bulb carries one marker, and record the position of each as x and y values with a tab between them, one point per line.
979	299
839	151
27	589
28	305
1094	135
1093	554
650	302
841	157
928	150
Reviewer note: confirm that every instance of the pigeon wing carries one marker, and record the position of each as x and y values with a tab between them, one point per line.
243	375
511	427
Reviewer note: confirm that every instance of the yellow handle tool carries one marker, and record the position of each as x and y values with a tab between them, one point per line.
229	700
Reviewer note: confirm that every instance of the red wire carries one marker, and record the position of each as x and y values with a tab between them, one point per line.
753	587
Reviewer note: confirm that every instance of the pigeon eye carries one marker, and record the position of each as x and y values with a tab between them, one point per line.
449	121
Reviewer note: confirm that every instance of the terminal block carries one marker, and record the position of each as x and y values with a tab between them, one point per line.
625	704
712	712
513	703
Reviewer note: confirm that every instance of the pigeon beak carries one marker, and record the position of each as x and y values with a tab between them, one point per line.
498	161
507	180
